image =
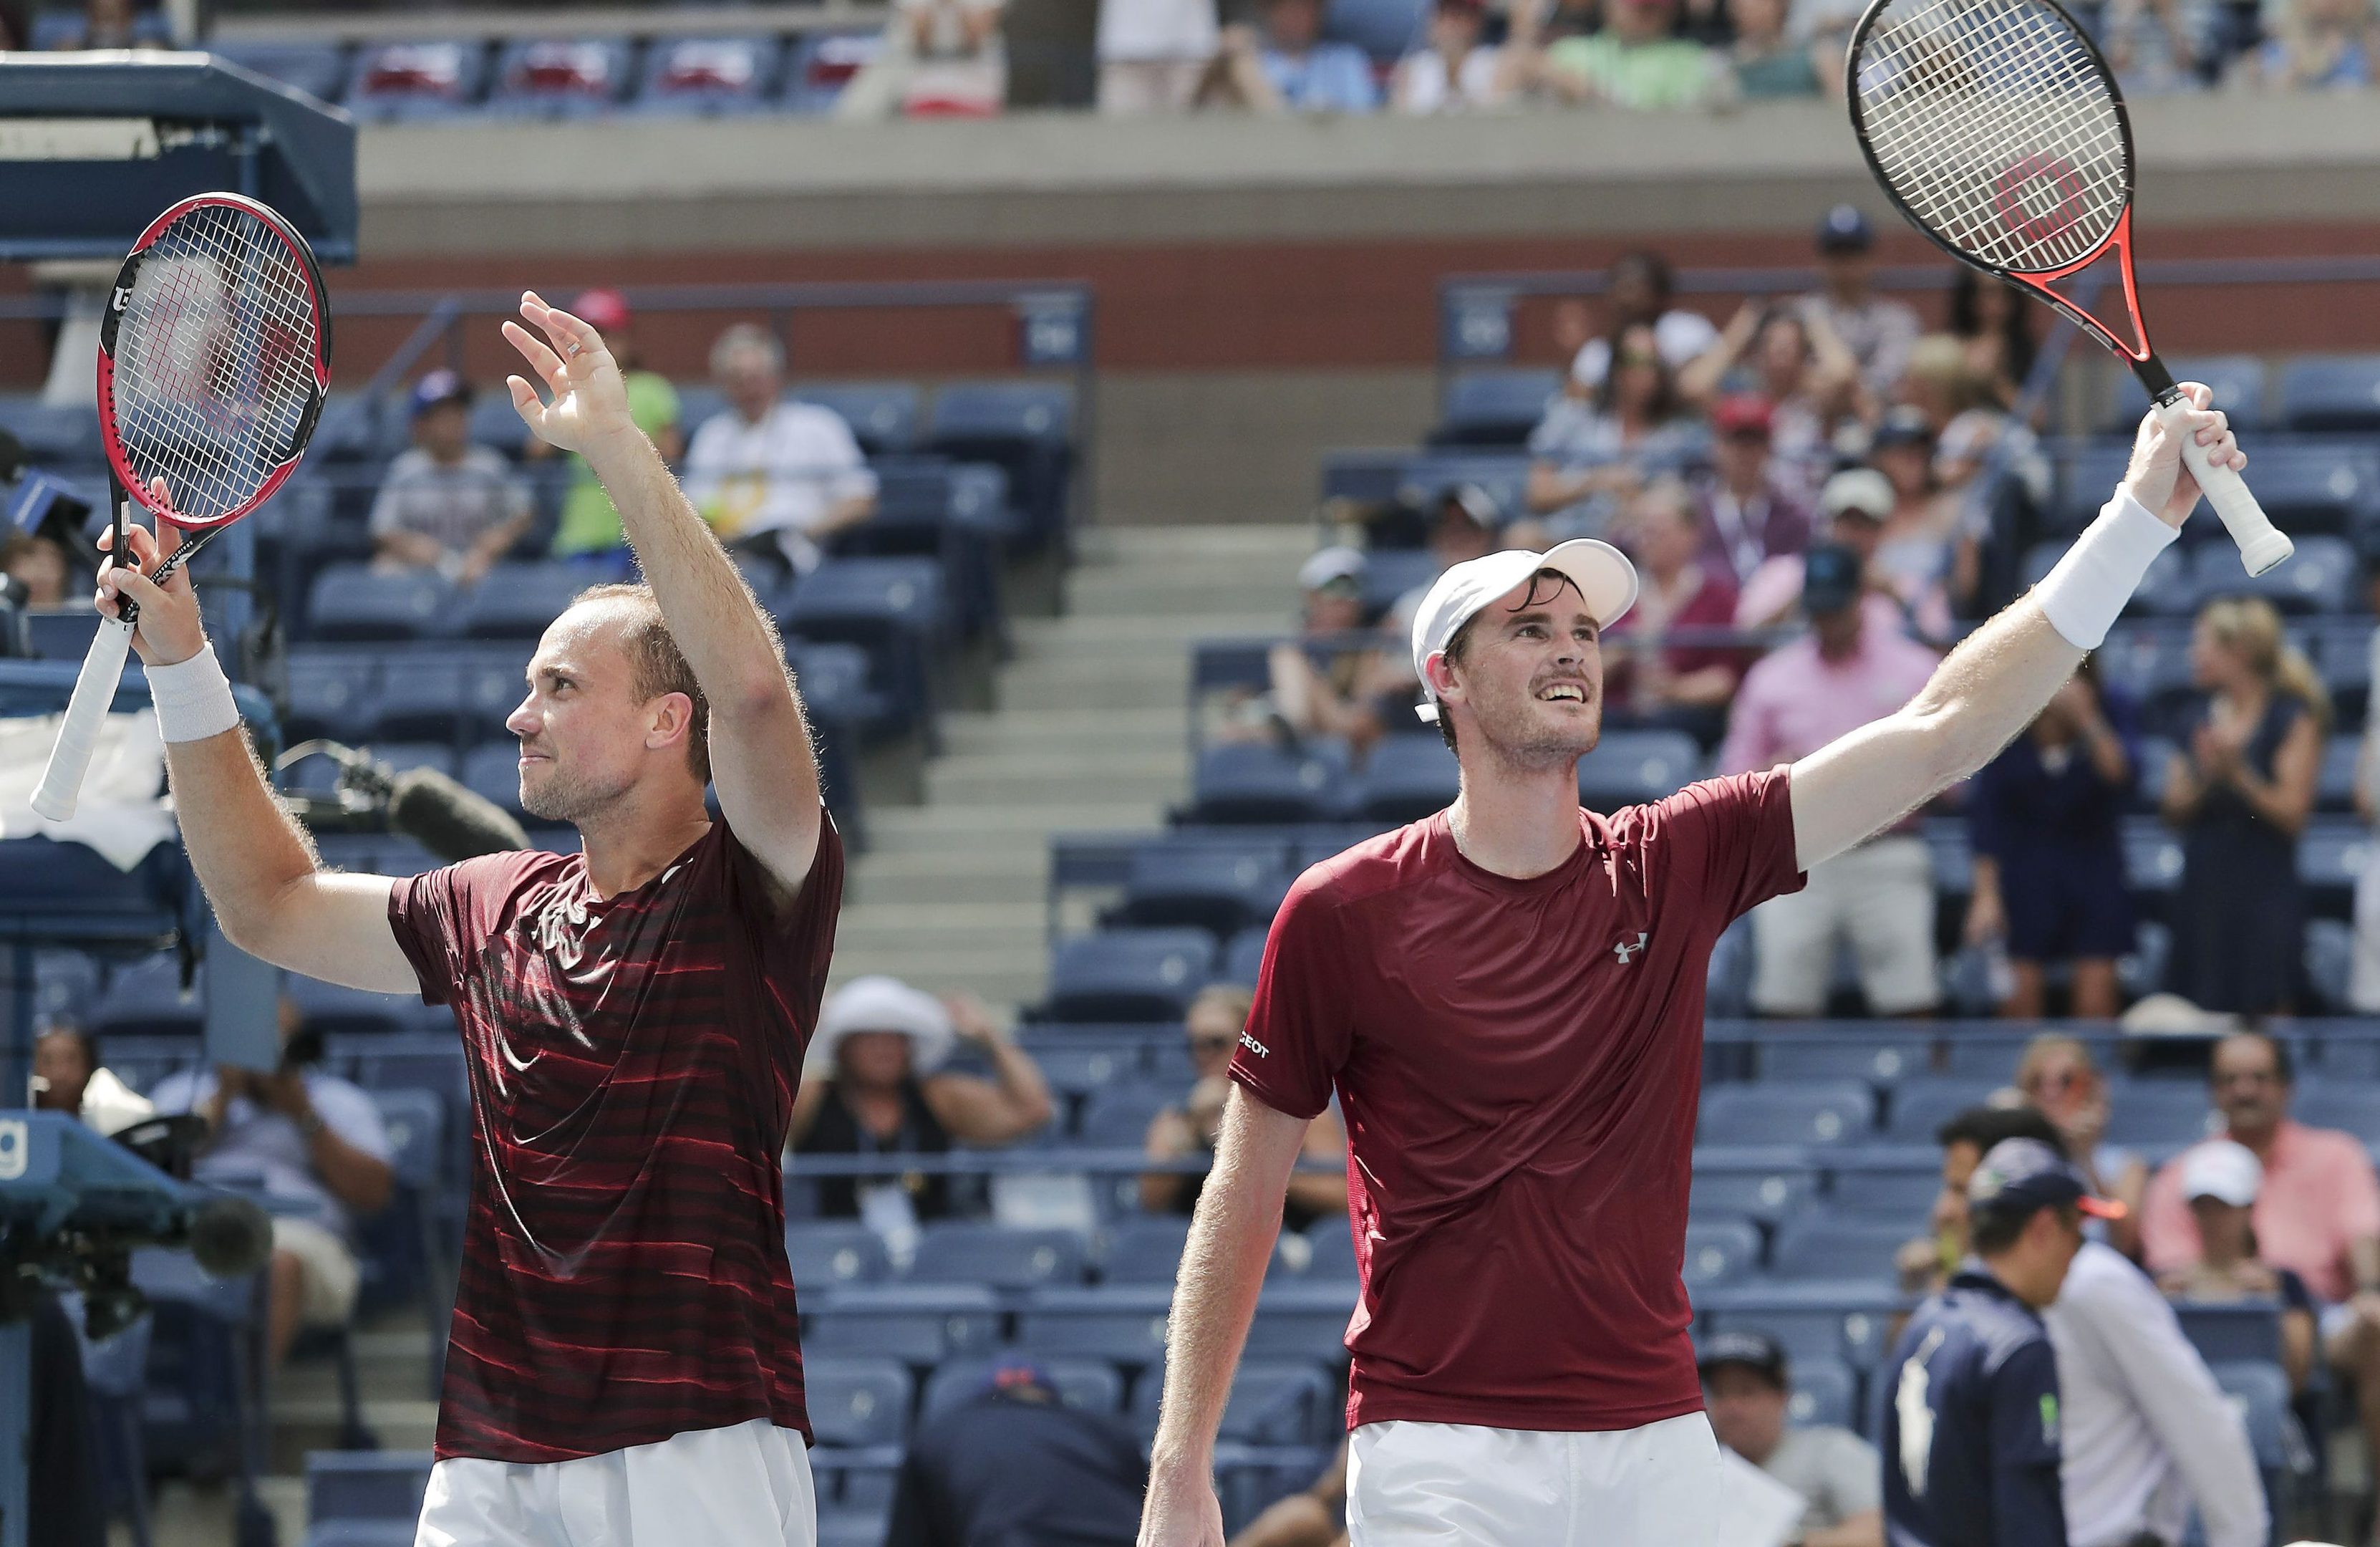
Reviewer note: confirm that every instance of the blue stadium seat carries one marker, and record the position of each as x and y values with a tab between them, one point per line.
2088	473
1301	1321
60	636
1118	1117
2169	589
917	1323
493	770
1390	573
2152	855
825	1253
1786	1112
2247	1330
335	1009
706	77
1823	1391
348	1489
1387	29
1026	428
147	1000
1765	1194
2331	1103
65	983
2318	486
882	415
2149	663
560	78
1814	1321
1147	1248
430	1060
331	693
1720	1251
53	29
2331	393
396	83
1089	1386
194	1402
2342	653
1222	887
1497	406
1263	783
1006	1257
448	693
2151	1112
894	608
2238	381
2329	964
317	69
2335	784
1905	1197
856	1401
399	1248
1331	1246
2331	855
2258	1389
1824	1246
1880	1060
849	1527
355	601
2321	577
822	65
1272	1404
1244	956
65	435
1633	767
317	774
517	600
1124	1322
1409	777
1923	1103
1127	975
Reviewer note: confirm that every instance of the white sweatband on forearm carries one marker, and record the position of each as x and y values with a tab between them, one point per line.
193	697
2083	596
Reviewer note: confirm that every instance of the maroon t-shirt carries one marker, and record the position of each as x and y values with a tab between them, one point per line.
1518	1063
632	1066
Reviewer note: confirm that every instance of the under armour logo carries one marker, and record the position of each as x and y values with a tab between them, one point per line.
1627	950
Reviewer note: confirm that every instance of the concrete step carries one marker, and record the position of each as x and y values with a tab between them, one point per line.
186	1514
1003	976
963	733
1155	780
1085	682
298	1426
1126	630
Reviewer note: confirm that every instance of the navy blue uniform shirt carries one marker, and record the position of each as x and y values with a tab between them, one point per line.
1971	1424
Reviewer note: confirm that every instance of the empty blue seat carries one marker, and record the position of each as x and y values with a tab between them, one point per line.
918	1323
148	1000
1330	1251
1264	784
1823	1391
2337	1103
357	602
1089	1386
1006	1257
1503	476
825	1252
1815	1321
2152	855
318	775
517	600
1409	777
1222	887
2331	856
1302	1321
61	636
415	80
331	694
1244	956
1273	1404
60	435
2154	1113
2331	392
2334	783
2247	1330
2329	966
1118	1117
1124	1322
1390	573
2258	1389
1720	1251
1766	1194
449	693
1024	427
856	1401
2322	486
1125	975
1386	30
1495	407
334	1008
317	69
1904	1197
1879	1060
1786	1112
1147	1248
699	76
493	771
882	415
822	65
2238	381
560	78
2088	473
2321	577
894	608
1922	1104
1632	767
1831	1246
359	1486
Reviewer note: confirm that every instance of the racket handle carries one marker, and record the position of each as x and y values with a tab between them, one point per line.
95	690
2262	544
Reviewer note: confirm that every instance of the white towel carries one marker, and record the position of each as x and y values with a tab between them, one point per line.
122	816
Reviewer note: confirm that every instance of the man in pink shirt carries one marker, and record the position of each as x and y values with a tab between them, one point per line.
1848	672
2317	1213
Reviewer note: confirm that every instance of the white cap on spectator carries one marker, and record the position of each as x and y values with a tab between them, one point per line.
2224	1169
1332	564
1860	489
1601	572
878	1003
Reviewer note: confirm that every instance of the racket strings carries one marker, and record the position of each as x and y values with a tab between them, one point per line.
214	360
1996	127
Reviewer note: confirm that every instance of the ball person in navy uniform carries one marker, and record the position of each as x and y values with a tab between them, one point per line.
1970	1422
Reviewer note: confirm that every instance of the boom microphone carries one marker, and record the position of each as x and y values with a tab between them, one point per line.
230	1236
450	820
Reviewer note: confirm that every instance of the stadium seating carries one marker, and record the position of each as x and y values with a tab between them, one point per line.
317	69
1491	407
1123	1322
1253	783
1092	1386
1407	778
856	1401
826	1253
2238	382
418	81
1722	1251
966	1252
1212	886
710	77
1822	1391
1824	1246
355	601
1145	1249
2331	393
364	1498
1796	1112
1631	767
1765	1194
560	78
1122	975
920	1324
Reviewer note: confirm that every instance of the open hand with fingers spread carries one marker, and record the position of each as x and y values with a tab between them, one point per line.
585	407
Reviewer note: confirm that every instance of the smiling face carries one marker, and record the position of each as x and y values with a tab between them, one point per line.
1525	679
588	740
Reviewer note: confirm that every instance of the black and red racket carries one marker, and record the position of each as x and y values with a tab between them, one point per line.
1997	127
213	358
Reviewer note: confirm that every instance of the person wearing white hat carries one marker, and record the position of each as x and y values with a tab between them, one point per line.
1326	681
1506	998
2220	1181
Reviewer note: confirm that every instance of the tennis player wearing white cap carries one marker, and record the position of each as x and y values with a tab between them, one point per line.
1507	997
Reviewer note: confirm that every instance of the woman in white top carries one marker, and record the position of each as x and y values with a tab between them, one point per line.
1455	73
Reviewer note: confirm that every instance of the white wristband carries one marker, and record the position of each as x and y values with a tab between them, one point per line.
2085	593
193	697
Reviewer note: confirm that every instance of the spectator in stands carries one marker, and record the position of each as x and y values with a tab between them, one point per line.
2145	1429
1994	325
1328	681
775	478
114	24
1314	1518
2241	796
1455	72
937	59
1879	897
69	1076
590	527
1467	526
1794	360
1878	331
2220	1180
2154	44
1746	1382
1016	1465
314	1145
1638	289
1635	61
447	505
38	568
2316	45
1925	557
2317	1210
1647	679
2057	1078
1288	67
1855	503
1750	514
1153	54
2046	821
875	1085
2363	970
1212	1026
1765	60
1597	447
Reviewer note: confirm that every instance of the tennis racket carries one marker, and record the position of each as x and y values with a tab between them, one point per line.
213	358
1997	130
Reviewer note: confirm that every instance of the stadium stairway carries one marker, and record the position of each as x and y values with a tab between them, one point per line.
1089	734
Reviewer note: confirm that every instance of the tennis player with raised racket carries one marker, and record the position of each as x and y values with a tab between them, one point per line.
624	1367
1506	998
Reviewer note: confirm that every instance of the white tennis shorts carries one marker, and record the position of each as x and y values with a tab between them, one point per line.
748	1485
1454	1485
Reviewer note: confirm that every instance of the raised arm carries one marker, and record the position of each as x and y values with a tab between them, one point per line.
257	864
761	762
1214	1299
1999	679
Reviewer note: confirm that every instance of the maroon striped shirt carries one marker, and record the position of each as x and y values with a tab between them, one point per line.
632	1066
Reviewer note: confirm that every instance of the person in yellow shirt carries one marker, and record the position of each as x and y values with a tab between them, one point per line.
590	527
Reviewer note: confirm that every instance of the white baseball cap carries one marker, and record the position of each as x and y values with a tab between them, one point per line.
1331	564
879	1003
2224	1169
1601	572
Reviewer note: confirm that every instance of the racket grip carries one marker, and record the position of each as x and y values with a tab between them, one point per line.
2262	544
95	690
